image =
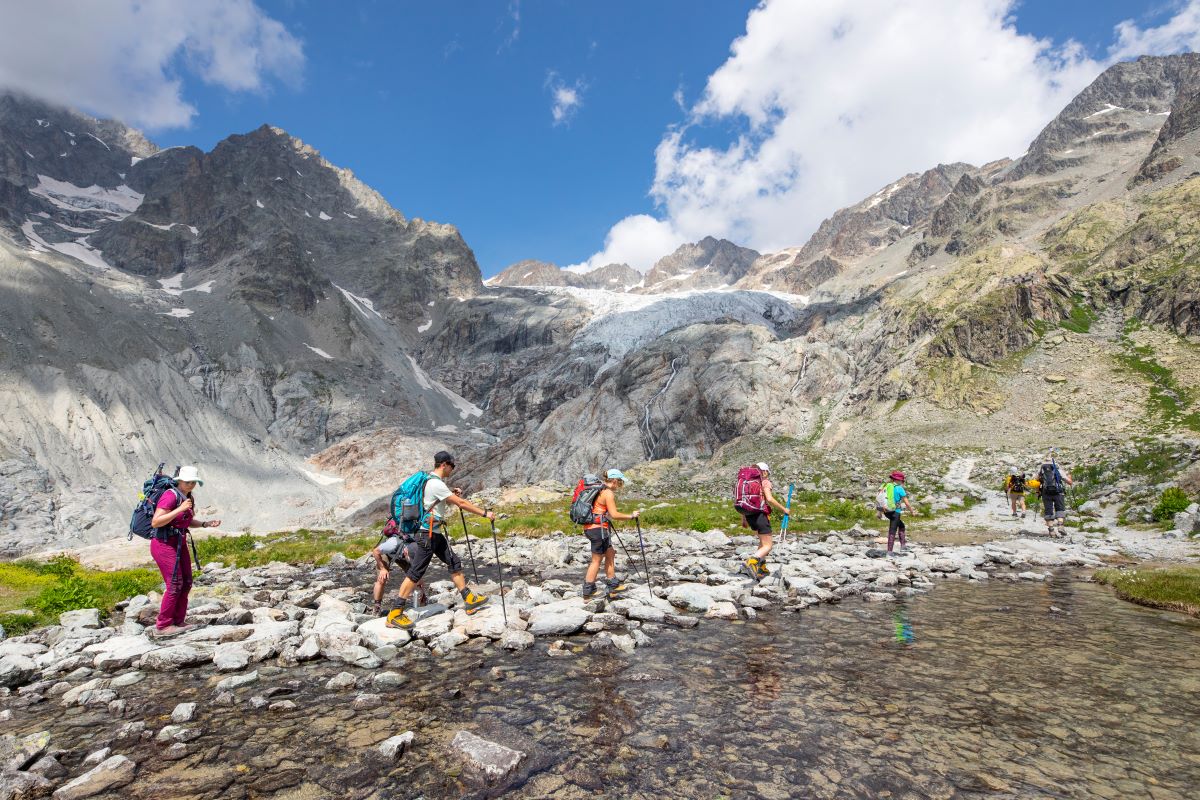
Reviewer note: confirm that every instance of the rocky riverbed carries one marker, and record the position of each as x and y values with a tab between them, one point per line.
102	706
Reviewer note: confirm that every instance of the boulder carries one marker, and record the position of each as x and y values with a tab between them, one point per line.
231	657
118	652
433	626
494	762
394	747
184	712
112	773
550	552
171	658
722	610
81	618
713	538
556	619
447	641
376	634
16	670
697	597
1187	522
516	640
22	785
18	752
343	680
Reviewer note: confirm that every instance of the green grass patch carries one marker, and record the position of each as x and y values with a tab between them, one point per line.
1170	502
1081	318
300	547
1171	402
61	584
1173	588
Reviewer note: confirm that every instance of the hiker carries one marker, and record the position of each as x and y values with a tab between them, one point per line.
399	548
1053	483
431	540
1014	488
173	515
753	500
895	502
599	535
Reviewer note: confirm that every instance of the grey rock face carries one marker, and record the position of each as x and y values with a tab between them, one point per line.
708	263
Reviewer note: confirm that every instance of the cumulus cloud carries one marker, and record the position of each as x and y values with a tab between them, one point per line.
565	99
126	58
638	240
827	101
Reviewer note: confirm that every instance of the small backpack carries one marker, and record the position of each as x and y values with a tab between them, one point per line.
1016	484
748	491
1051	479
407	507
153	489
886	499
584	499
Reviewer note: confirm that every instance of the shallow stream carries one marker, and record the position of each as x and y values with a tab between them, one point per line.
993	690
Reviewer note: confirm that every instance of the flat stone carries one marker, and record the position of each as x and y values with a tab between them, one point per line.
168	659
516	640
17	670
80	618
722	610
493	761
113	773
17	752
376	634
343	680
236	681
388	680
92	759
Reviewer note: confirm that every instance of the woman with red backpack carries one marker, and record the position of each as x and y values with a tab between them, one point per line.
753	500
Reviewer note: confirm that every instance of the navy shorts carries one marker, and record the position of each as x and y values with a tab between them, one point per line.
600	539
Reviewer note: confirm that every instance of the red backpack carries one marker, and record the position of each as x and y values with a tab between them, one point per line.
748	492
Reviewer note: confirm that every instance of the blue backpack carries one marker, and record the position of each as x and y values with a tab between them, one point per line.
407	508
152	491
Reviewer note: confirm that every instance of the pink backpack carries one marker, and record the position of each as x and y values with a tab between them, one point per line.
748	491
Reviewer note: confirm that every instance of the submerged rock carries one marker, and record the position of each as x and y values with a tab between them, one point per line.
494	762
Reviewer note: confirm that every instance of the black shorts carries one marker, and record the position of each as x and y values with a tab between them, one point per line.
424	549
1054	506
759	522
600	539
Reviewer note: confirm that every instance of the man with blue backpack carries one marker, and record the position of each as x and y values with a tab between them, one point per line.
419	510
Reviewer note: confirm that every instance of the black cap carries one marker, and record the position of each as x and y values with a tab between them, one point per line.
442	457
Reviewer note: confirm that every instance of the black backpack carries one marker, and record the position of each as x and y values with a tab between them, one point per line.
1051	479
1017	484
153	489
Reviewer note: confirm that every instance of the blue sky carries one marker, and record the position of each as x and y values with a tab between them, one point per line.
446	108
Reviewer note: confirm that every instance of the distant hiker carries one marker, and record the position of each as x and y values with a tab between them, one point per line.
1014	488
429	514
752	499
894	499
1054	482
598	530
174	514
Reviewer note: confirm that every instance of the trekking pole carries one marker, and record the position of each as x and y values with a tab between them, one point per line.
645	565
783	527
195	555
467	536
500	572
613	526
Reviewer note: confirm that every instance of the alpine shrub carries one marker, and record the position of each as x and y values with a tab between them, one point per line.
1171	502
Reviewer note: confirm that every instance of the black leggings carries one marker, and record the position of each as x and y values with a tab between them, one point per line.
895	525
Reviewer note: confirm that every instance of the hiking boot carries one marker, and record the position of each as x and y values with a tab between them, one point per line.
750	567
399	618
615	587
377	609
473	602
762	570
588	591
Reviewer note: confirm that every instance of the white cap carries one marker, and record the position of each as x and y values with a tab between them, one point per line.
189	474
763	466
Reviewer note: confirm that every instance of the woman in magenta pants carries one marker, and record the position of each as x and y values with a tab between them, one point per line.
173	515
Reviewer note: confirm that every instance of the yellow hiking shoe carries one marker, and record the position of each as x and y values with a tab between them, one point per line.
473	602
399	618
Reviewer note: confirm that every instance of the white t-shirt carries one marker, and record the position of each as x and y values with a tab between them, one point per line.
436	492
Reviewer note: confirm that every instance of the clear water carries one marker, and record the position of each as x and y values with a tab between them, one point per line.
1000	690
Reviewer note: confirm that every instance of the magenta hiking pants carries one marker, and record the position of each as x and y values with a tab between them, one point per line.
178	581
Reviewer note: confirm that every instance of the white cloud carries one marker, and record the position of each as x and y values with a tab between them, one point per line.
637	240
513	18
126	58
565	99
832	100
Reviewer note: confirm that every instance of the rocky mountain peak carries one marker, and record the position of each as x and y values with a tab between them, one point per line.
708	263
